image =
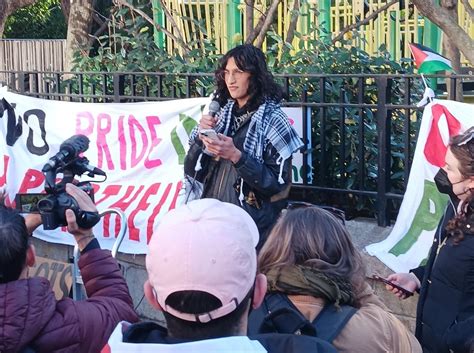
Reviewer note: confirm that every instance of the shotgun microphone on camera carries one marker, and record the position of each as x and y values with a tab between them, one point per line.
69	150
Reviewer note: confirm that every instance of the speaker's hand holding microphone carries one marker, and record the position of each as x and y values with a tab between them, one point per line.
209	121
207	124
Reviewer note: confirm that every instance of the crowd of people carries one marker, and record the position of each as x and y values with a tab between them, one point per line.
235	269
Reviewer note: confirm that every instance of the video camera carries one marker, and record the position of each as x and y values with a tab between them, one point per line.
53	205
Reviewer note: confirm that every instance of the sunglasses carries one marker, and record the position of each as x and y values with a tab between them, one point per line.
465	138
336	212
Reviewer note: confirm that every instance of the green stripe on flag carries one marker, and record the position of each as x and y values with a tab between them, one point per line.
431	66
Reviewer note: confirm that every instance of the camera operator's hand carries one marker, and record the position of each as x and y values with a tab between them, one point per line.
32	221
83	236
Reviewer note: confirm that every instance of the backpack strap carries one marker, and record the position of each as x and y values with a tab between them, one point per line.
278	314
331	320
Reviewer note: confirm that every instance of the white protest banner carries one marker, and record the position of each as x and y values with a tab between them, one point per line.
140	146
423	206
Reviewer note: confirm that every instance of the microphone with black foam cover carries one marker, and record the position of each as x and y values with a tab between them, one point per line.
214	108
69	150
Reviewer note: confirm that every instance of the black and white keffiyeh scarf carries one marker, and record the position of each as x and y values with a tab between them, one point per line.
269	124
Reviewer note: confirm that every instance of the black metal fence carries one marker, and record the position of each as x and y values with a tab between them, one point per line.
359	130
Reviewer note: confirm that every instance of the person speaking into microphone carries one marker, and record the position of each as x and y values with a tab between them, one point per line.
247	161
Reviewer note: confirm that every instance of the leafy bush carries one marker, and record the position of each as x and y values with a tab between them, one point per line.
43	20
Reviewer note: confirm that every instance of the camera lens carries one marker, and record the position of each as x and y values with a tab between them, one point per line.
46	205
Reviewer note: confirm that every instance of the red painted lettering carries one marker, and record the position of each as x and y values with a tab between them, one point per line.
142	206
110	190
102	147
156	210
3	178
122	144
87	130
33	178
176	194
134	125
152	121
123	204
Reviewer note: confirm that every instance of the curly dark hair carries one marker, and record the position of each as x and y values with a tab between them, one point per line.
463	223
462	147
262	84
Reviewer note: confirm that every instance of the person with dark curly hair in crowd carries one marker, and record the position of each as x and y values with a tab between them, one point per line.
445	312
248	163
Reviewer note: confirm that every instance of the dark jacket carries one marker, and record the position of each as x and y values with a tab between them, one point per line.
460	336
31	316
447	288
149	332
264	196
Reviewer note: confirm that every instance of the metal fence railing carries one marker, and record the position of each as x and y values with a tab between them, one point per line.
359	131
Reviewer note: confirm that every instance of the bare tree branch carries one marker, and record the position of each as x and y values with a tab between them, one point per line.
102	28
365	21
249	9
178	40
268	21
293	21
253	34
170	19
251	31
442	18
98	21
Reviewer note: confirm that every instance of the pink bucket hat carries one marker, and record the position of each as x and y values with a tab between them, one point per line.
205	245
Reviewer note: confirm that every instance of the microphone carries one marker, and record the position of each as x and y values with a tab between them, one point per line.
94	170
68	151
214	108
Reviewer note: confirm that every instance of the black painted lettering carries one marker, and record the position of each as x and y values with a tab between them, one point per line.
40	116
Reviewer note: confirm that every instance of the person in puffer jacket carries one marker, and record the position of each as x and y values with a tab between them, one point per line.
31	317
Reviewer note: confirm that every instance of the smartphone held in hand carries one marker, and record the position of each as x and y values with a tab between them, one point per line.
386	281
209	133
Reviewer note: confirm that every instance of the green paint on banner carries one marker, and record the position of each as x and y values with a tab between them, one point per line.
178	146
424	219
188	124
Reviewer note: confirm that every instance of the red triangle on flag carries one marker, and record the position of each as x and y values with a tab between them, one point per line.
418	54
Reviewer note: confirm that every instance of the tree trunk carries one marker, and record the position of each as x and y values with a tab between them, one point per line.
65	8
295	13
452	52
7	7
249	10
267	23
441	16
79	27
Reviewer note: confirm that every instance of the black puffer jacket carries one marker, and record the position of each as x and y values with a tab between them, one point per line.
264	196
447	289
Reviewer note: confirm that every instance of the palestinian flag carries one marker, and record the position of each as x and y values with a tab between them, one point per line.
428	61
